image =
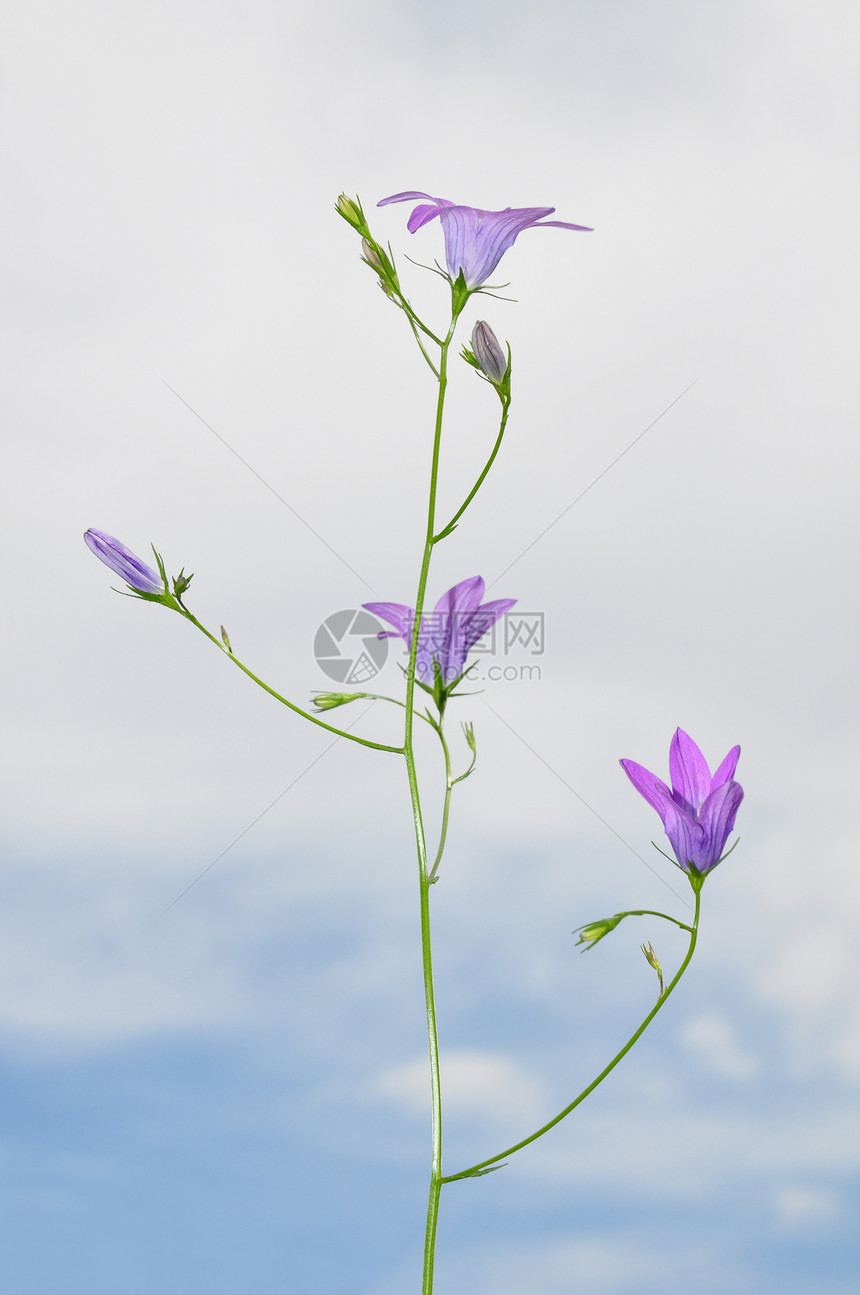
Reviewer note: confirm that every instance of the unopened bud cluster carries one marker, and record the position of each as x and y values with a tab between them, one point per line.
371	252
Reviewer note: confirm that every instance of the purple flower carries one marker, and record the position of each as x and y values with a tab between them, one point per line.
476	240
699	812
449	632
126	564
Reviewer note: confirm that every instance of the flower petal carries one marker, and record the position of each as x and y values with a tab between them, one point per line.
562	224
688	768
726	771
444	630
717	818
461	598
483	619
422	213
398	615
648	785
687	837
475	240
405	197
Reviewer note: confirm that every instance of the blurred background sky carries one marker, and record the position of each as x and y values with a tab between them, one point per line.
230	1095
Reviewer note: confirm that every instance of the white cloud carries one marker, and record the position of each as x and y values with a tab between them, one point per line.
170	216
714	1041
482	1086
798	1205
605	1264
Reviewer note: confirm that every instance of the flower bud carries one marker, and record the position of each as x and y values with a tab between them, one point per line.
136	574
181	582
350	209
653	961
374	256
488	352
371	255
329	700
650	956
594	931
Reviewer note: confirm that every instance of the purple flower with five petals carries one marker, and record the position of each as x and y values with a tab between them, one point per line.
448	633
476	240
126	564
699	812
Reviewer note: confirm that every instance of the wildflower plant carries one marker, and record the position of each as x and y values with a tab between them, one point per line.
698	812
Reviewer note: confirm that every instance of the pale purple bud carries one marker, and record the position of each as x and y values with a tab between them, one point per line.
126	564
488	352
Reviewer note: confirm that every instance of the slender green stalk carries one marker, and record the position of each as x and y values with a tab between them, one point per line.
352	737
448	528
412	324
418	824
450	784
423	882
484	1166
446	808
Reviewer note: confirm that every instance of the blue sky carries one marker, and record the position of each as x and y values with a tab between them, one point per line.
227	1092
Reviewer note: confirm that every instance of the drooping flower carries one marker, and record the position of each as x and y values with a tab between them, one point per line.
128	565
476	240
449	632
699	812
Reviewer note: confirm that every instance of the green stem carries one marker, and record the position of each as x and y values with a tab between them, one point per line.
443	831
484	1165
450	784
378	696
417	323
352	737
420	840
412	324
652	912
446	530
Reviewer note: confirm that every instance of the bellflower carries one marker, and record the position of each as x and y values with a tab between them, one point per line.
448	633
699	812
136	574
476	240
